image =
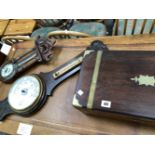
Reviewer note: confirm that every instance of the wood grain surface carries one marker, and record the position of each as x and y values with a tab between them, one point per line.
20	27
114	84
58	116
3	26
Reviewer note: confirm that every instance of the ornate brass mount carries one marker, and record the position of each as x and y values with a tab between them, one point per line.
144	80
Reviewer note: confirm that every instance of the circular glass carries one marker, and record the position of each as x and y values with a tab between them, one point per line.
7	70
24	92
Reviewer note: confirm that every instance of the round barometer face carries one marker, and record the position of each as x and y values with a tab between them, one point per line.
7	70
25	93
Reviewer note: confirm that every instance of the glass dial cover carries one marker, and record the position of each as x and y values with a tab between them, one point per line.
24	92
7	70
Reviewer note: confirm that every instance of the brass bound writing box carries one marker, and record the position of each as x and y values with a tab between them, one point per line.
117	83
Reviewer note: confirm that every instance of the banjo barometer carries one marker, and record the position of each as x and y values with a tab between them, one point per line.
42	53
29	93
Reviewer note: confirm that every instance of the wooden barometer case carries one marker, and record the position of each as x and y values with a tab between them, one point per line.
42	52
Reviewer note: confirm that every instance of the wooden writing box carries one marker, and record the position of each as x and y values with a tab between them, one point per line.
117	83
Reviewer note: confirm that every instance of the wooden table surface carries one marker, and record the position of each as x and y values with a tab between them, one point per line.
58	116
20	27
3	25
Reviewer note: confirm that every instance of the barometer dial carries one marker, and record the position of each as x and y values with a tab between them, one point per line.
25	93
7	70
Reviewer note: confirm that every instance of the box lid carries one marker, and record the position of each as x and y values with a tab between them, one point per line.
121	82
